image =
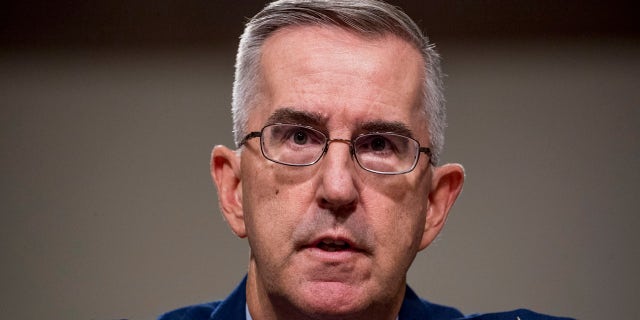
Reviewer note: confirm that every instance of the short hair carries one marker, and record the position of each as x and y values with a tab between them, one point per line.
369	18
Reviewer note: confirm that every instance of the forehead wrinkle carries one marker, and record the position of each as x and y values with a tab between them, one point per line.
292	116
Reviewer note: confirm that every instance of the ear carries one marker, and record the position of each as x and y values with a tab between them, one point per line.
446	186
225	171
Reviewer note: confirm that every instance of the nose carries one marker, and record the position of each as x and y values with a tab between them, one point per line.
338	190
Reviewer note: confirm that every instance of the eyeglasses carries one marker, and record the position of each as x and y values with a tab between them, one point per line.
298	145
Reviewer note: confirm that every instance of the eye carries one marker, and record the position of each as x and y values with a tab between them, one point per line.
378	143
374	143
296	136
300	137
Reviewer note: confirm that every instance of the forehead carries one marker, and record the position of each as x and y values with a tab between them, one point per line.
341	75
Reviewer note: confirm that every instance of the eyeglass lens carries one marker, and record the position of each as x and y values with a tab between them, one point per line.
378	152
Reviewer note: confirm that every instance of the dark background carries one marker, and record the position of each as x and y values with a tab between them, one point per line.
180	23
109	110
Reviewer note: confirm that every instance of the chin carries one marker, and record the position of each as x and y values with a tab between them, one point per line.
332	299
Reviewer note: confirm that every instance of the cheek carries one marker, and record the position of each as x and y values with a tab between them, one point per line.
401	227
274	203
397	211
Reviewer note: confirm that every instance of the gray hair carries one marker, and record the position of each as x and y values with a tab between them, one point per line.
365	17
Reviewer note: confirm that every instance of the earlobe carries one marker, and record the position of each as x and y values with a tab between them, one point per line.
225	171
446	186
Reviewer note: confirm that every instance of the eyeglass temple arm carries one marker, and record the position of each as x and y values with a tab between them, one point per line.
427	151
250	136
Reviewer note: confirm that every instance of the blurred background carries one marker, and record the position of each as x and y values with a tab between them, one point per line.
109	110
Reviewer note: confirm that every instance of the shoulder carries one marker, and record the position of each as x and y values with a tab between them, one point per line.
233	307
414	307
195	312
441	312
519	314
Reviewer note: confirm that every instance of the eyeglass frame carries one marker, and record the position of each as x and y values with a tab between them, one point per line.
350	142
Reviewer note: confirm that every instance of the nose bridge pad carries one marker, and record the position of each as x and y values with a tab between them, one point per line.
349	142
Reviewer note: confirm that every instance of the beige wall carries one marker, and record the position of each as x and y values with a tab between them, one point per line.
108	211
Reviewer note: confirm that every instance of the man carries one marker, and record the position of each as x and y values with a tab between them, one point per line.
338	118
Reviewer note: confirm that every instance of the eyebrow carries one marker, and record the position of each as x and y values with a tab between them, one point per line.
314	119
292	116
386	127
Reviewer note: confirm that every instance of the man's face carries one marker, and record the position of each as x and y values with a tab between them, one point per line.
332	238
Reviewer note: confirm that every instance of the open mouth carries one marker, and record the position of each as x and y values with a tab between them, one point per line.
332	245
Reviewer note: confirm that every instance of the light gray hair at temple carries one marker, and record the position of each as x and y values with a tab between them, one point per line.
370	18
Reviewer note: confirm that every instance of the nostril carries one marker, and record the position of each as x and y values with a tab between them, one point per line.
338	209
